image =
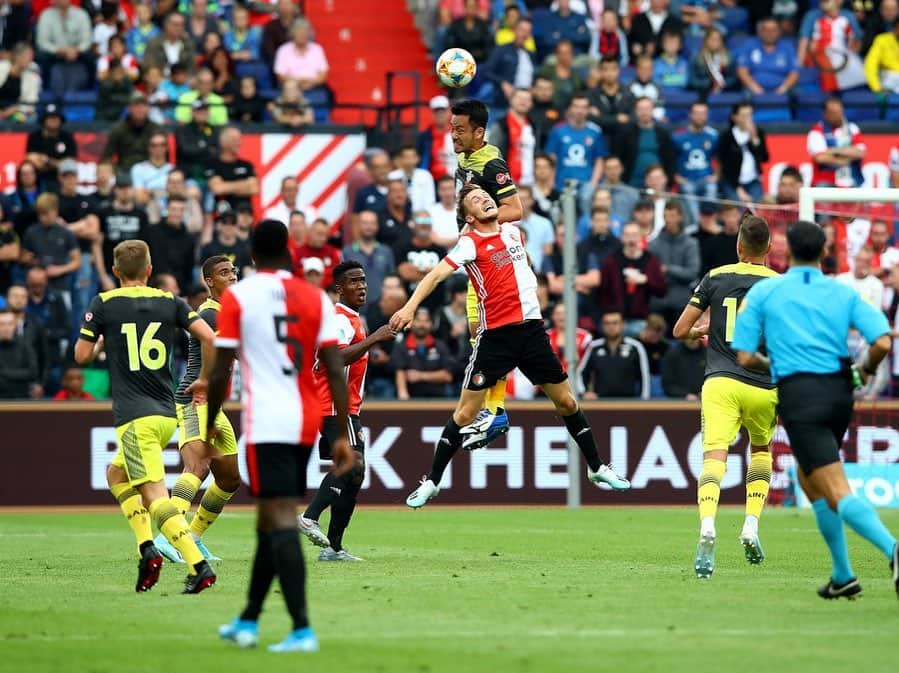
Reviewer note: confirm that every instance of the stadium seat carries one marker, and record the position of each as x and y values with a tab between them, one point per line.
720	105
809	80
627	74
809	105
79	105
677	104
893	108
735	43
692	45
771	107
318	99
861	105
735	19
258	71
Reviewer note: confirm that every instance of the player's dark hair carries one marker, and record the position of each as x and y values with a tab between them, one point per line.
475	110
754	235
461	210
268	243
210	263
806	240
341	269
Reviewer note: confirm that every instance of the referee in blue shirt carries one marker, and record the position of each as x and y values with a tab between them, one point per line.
804	318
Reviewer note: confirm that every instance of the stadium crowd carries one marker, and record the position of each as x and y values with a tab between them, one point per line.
583	99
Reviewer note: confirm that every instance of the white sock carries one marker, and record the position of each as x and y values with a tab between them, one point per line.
707	526
751	524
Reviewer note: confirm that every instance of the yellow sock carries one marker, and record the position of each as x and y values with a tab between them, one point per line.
214	500
133	508
496	396
710	487
758	479
184	491
173	525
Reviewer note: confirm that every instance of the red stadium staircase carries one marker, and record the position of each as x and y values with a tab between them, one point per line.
363	41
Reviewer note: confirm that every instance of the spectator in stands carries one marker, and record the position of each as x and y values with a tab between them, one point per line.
20	85
395	218
200	23
78	214
172	47
203	91
539	230
717	245
18	363
48	308
115	91
10	250
435	146
291	109
647	28
624	197
35	335
612	40
451	320
226	242
611	104
602	198
172	246
656	346
884	256
586	280
564	24
767	63
861	278
196	143
683	370
64	39
302	59
167	283
419	182
512	66
51	245
678	254
742	149
670	68
829	39
546	196
579	148
374	195
557	337
297	231
277	31
418	256
149	177
615	365
72	386
317	246
696	147
123	221
106	24
47	146
543	115
444	228
644	143
224	84
377	258
505	34
599	241
630	276
787	198
231	178
243	41
514	135
129	139
116	51
643	86
313	270
470	32
248	107
143	30
836	148
423	364
712	68
565	79
879	22
14	23
170	89
289	202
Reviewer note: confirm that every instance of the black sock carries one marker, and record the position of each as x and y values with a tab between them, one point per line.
341	513
449	442
291	570
324	497
144	545
579	429
260	578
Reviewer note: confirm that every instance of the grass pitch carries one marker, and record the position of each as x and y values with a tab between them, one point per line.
495	590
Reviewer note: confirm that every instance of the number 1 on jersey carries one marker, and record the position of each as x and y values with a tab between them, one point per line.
730	305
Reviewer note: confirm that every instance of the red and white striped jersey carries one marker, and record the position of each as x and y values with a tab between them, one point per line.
582	339
501	275
834	32
823	137
350	330
277	321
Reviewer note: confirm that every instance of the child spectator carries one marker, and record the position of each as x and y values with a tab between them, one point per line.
115	93
670	68
291	109
712	69
72	386
643	86
243	41
115	51
247	106
612	40
174	87
142	32
106	26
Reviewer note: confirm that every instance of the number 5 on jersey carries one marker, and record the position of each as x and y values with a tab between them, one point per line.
147	352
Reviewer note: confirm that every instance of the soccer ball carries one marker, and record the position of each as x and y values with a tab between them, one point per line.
456	68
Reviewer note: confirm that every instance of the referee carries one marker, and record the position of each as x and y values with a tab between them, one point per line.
804	318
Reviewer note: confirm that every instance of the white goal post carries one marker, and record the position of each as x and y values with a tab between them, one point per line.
808	196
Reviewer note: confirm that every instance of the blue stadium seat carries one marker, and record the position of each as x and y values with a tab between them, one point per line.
258	71
735	43
720	105
809	80
861	105
771	107
692	45
318	99
735	19
627	74
79	105
677	104
893	108
809	105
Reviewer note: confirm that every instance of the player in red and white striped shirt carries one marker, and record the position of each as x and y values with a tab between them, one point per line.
340	492
511	335
276	322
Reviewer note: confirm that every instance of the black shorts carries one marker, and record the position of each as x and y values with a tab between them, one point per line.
499	351
329	434
815	411
277	470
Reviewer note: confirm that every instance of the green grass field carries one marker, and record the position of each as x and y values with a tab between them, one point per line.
492	590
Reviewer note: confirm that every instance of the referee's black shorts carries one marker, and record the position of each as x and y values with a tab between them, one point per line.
815	410
498	351
329	434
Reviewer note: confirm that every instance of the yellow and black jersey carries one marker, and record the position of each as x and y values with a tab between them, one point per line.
208	311
138	326
488	170
722	291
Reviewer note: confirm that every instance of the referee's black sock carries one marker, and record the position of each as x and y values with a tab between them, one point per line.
341	513
260	578
449	442
580	431
325	496
291	569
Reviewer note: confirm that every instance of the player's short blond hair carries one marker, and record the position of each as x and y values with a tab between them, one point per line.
131	259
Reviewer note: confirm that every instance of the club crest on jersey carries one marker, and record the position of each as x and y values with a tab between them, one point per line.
503	178
479	379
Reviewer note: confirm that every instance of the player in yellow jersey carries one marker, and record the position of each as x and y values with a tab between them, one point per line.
198	454
732	396
483	164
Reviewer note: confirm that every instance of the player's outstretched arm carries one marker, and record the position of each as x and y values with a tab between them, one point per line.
341	453
355	351
86	351
401	319
204	334
219	376
510	209
685	328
